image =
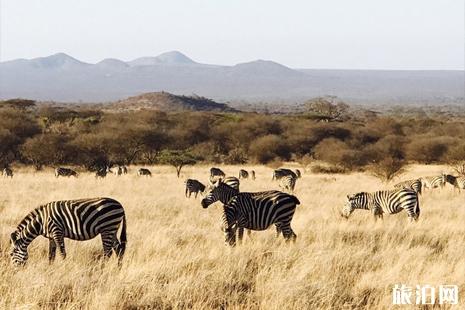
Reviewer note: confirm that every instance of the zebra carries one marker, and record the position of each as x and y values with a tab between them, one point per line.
457	182
390	201
144	171
433	181
193	186
124	169
298	173
118	170
243	174
253	211
281	172
65	172
216	173
287	183
231	181
7	172
415	185
252	173
81	219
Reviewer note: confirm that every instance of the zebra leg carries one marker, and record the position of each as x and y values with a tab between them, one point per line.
288	233
240	234
278	229
108	243
52	250
60	241
196	193
230	235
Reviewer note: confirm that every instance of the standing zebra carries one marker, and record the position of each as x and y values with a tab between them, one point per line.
253	211
65	172
80	220
410	184
434	181
124	169
281	172
231	181
298	174
380	202
118	170
193	186
457	182
287	183
102	173
7	172
144	171
216	173
243	174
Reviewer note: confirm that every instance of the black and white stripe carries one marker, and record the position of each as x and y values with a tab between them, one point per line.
253	211
243	174
282	172
415	185
287	183
144	171
380	202
193	186
216	173
101	173
7	172
80	220
65	172
433	181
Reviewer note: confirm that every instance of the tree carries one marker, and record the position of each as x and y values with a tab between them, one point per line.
47	149
387	168
18	103
328	108
177	159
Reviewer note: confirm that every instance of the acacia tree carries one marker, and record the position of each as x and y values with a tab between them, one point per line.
387	168
328	108
177	159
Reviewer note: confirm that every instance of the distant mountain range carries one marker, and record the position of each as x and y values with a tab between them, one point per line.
60	77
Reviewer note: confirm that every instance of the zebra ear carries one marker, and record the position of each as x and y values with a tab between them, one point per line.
348	197
13	237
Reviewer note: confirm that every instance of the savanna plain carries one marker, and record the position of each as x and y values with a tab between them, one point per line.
176	256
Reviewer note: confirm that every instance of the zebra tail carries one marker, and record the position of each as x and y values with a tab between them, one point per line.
417	208
123	238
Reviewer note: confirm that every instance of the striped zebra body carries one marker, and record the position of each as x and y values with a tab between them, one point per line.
7	172
415	185
216	173
232	181
278	174
433	182
287	183
457	182
193	186
380	202
144	171
65	172
253	211
243	174
80	220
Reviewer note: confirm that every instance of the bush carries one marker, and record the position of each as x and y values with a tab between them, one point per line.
268	148
387	168
327	169
428	150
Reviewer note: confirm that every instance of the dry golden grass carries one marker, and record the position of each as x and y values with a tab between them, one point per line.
176	257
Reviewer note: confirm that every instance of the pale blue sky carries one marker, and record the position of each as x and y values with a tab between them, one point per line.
356	34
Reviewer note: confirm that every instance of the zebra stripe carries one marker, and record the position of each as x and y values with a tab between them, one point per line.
65	172
253	211
287	183
380	202
415	185
243	174
81	219
216	173
434	181
252	173
193	186
7	172
144	171
278	174
102	173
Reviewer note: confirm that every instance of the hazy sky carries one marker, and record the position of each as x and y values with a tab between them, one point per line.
364	34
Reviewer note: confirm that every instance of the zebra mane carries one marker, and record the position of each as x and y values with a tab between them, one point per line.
33	215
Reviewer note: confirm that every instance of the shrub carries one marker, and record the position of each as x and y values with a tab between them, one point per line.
268	148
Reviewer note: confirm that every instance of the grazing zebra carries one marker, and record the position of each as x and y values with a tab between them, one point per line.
380	202
253	211
287	183
193	186
144	171
434	181
281	172
7	172
65	172
243	174
102	173
216	173
410	184
457	182
79	220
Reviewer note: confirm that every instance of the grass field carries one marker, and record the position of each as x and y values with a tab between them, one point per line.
176	256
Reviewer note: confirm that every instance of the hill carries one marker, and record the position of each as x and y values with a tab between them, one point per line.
166	102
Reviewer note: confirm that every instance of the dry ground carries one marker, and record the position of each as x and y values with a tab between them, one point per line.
176	257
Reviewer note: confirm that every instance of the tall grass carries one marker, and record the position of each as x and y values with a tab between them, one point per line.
176	256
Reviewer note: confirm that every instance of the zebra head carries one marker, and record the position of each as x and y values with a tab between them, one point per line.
218	191
18	252
356	201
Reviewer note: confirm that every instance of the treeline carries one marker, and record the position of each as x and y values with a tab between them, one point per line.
53	136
